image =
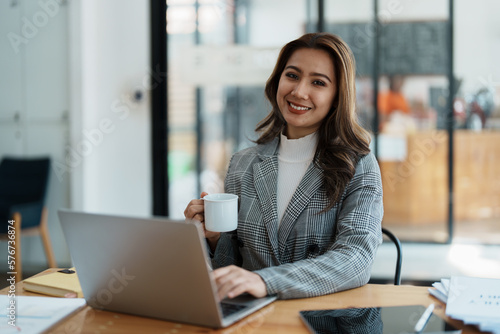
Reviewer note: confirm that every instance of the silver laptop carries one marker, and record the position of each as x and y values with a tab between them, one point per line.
150	267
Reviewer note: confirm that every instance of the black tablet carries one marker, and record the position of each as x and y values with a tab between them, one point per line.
378	320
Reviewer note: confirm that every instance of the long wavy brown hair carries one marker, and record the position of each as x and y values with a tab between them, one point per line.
341	140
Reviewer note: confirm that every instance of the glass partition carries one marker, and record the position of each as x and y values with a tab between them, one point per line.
403	44
222	52
220	56
413	108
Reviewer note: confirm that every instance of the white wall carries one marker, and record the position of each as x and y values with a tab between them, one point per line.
477	43
275	23
412	10
70	80
34	103
110	144
340	11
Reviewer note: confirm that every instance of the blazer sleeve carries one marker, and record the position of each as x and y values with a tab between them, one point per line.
347	261
226	252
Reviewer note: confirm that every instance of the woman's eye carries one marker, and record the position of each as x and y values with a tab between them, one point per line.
292	75
319	83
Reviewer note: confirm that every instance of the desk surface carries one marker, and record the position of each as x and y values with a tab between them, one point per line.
278	317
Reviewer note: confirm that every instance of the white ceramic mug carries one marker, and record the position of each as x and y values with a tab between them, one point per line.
221	212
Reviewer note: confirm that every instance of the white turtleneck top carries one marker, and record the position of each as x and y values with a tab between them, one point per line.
294	157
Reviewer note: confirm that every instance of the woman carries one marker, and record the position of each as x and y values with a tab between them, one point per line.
310	193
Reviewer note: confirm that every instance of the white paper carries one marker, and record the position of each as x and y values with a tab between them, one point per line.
438	294
441	288
472	297
34	314
475	301
446	284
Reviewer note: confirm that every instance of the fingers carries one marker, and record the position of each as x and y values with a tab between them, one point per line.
232	281
227	280
196	208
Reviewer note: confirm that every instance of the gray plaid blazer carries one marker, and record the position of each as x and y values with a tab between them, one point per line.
310	253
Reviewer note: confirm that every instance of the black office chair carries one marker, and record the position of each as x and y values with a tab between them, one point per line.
23	187
399	259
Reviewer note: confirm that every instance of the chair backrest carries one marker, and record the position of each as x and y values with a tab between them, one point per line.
24	181
399	259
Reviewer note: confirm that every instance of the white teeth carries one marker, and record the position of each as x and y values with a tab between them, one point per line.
297	107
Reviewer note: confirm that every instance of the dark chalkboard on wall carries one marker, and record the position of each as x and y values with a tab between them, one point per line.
414	48
360	38
409	48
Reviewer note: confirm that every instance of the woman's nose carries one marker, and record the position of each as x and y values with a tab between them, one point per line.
300	90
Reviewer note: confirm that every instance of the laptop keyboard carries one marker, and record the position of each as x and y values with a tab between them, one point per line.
228	309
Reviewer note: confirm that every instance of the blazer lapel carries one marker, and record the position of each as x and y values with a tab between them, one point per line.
265	181
308	186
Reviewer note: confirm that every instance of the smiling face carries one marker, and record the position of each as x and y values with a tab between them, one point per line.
306	91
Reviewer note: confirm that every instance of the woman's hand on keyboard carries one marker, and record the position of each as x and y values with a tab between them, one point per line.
232	281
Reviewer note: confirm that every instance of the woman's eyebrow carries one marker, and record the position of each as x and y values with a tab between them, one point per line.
313	73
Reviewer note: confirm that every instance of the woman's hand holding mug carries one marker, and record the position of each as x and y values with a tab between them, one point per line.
196	210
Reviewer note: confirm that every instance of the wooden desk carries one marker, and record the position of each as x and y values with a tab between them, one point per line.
278	317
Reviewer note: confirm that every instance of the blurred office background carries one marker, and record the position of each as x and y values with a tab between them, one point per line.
82	82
